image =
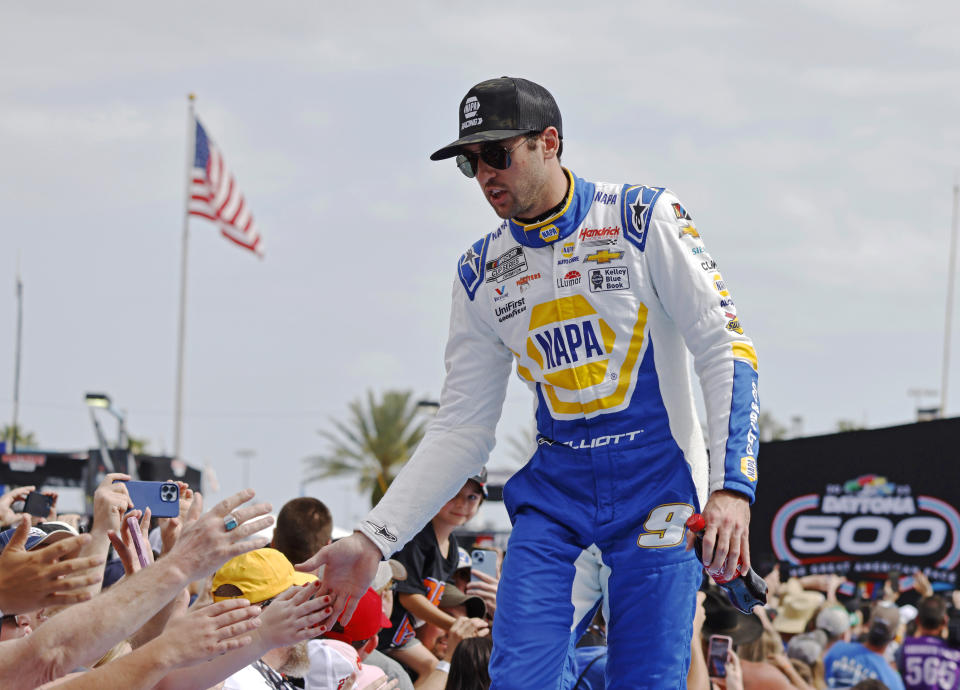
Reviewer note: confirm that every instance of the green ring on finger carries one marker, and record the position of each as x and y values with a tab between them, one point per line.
230	522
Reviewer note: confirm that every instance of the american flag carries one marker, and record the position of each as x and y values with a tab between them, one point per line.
214	195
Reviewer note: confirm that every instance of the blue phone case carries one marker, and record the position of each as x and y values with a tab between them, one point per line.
163	498
484	560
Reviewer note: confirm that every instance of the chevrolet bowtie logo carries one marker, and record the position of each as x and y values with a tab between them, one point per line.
689	230
604	257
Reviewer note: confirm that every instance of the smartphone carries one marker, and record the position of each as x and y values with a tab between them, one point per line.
162	498
906	583
717	655
484	560
847	589
894	578
134	527
37	504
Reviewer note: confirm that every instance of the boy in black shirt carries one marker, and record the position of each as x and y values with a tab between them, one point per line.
430	559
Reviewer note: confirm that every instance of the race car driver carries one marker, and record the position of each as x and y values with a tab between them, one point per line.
594	292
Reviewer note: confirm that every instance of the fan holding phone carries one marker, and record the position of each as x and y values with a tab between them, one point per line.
156	499
723	663
484	577
26	499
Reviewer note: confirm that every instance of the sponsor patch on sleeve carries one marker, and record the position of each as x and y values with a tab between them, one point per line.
748	468
470	267
636	208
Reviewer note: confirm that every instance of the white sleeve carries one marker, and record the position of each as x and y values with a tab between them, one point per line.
458	440
694	295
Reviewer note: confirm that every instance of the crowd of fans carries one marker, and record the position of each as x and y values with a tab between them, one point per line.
212	600
808	636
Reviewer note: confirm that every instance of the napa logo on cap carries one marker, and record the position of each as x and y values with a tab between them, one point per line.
471	109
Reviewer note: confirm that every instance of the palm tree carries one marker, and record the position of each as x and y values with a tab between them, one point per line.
25	439
373	444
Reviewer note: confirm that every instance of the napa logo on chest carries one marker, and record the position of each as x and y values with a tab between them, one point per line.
570	343
567	252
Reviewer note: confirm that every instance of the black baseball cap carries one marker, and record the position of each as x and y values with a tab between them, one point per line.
498	109
481	479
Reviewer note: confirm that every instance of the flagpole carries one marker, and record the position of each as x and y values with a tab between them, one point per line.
16	362
950	289
181	331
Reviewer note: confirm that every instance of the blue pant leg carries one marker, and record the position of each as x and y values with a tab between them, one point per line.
551	504
653	578
651	626
532	639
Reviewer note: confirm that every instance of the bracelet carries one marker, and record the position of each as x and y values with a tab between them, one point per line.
443	666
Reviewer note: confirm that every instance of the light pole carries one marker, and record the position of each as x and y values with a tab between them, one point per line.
925	414
246	454
102	401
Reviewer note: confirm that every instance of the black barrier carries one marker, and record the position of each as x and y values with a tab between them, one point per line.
43	469
862	503
159	468
86	470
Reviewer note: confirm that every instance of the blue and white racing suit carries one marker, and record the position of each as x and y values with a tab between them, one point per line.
596	308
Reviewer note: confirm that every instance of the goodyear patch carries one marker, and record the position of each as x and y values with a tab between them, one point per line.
748	468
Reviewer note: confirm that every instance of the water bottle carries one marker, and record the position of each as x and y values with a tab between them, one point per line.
744	589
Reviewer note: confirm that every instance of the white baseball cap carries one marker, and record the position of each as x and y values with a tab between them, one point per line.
331	663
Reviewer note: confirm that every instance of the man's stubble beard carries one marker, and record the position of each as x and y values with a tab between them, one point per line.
527	195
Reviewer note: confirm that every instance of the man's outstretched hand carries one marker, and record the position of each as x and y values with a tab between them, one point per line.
726	538
52	576
349	566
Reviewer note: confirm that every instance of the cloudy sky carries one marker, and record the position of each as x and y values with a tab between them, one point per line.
815	146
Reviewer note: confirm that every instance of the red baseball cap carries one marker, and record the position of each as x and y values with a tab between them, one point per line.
367	620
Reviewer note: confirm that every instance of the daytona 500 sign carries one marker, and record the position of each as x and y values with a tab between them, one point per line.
862	503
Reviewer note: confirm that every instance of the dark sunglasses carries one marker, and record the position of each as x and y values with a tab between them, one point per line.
491	153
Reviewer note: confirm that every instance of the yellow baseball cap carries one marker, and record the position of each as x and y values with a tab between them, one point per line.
258	575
